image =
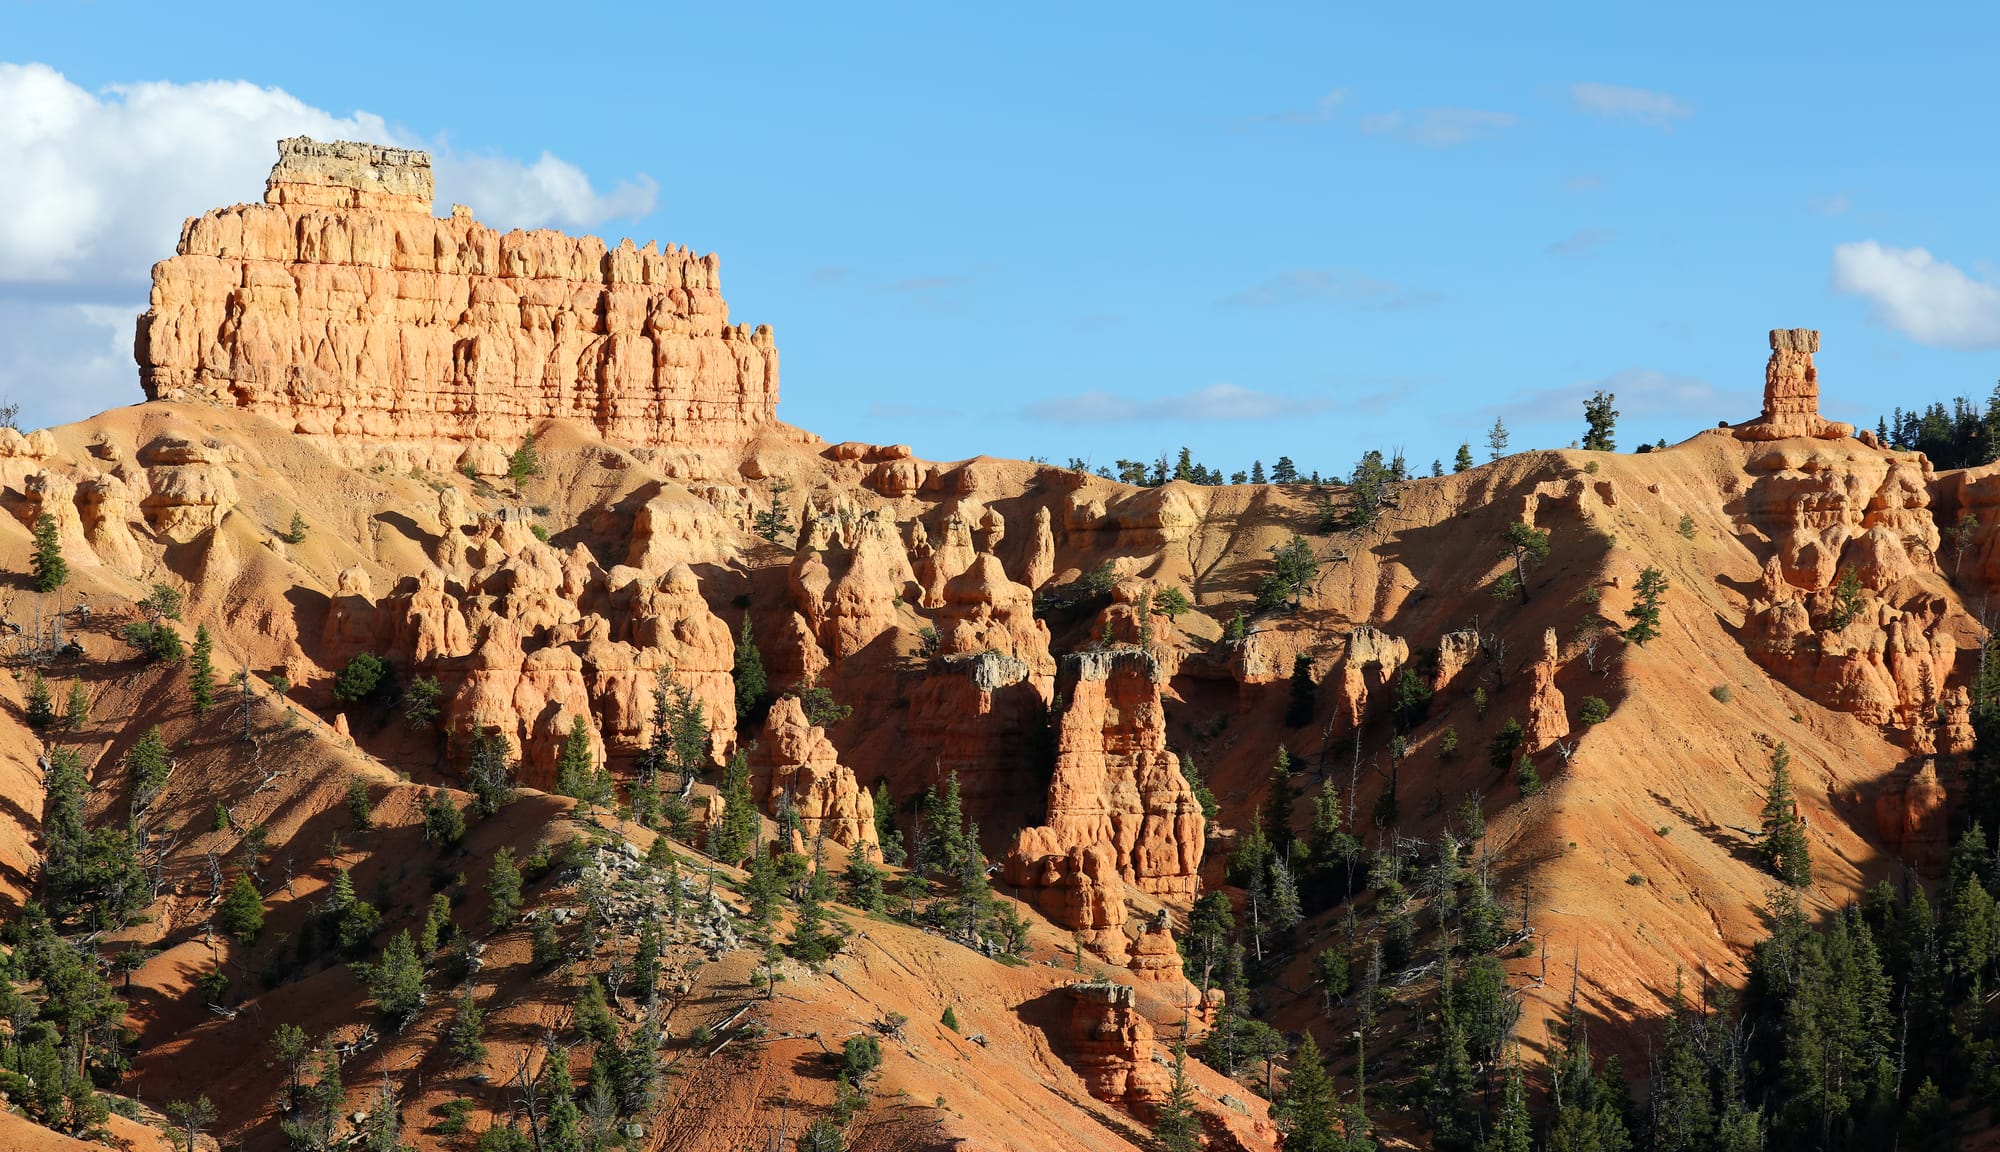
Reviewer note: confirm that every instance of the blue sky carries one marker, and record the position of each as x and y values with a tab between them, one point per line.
1108	230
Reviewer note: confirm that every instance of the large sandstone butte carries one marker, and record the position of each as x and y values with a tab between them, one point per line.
343	309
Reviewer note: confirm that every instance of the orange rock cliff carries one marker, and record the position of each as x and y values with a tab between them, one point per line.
343	309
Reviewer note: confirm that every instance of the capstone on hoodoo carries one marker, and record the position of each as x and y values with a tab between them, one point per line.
343	309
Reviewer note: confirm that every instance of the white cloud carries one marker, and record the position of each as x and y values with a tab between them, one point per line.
1217	402
1328	285
551	192
1917	294
1439	127
1617	102
97	184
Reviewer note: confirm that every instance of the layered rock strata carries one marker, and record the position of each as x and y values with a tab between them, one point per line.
341	308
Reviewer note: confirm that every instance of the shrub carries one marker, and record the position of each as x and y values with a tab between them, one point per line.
296	534
1721	693
1594	711
950	1019
1687	526
1635	880
525	462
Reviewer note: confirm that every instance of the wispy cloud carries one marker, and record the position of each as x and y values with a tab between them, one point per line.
1833	205
1319	112
1915	293
1642	393
1328	286
1439	127
1215	403
1583	183
1582	242
1618	102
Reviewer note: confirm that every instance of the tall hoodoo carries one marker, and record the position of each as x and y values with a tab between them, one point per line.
1791	392
343	309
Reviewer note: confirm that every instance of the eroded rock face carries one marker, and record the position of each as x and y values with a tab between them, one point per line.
343	309
1372	661
1079	889
189	486
1791	392
849	574
1912	817
1111	1046
1116	786
796	759
1548	721
1828	507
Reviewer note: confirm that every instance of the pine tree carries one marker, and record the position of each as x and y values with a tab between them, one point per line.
1602	419
1308	1108
1284	471
201	672
51	570
646	961
242	911
974	901
1645	609
1784	846
748	673
1496	438
1277	815
945	813
732	837
563	1127
1512	1131
887	835
41	710
77	714
490	775
1285	911
593	1016
578	776
396	982
444	824
465	1038
1257	472
503	887
1463	461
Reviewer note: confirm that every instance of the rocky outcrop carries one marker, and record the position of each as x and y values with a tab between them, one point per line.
341	308
850	574
1548	720
1116	786
104	505
189	486
1373	658
1791	392
1079	889
1111	1047
796	760
1912	816
1040	567
1886	665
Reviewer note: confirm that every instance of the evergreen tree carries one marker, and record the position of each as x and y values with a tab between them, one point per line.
1783	846
1602	419
396	982
944	811
490	775
1284	471
41	710
1463	461
465	1037
1683	1107
886	832
593	1016
1527	547
562	1129
1257	472
646	961
51	570
1645	609
1276	819
1511	1132
1205	944
974	901
748	673
732	837
201	672
1285	910
1506	742
1308	1108
578	775
77	714
503	887
242	911
444	824
864	882
1496	439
